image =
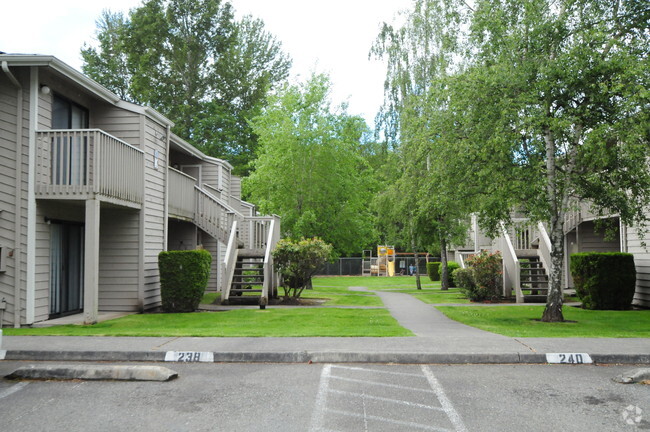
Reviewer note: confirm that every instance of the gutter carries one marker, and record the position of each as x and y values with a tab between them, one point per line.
18	214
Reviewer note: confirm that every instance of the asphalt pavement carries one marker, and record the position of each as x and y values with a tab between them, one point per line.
438	340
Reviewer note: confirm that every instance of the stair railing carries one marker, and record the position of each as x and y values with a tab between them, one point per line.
229	262
511	266
544	246
269	275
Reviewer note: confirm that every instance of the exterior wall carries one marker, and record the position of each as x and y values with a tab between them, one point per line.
154	209
211	245
119	250
120	123
642	261
14	252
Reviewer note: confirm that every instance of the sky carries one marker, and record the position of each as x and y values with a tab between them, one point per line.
322	36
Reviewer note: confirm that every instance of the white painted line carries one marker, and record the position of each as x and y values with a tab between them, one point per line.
447	407
569	358
382	399
318	417
3	354
382	384
13	389
389	420
376	371
189	356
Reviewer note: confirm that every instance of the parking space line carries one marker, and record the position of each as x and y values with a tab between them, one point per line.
388	420
352	368
447	406
360	381
13	389
394	401
318	416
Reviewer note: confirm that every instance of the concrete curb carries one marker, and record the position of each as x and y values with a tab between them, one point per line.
320	357
94	373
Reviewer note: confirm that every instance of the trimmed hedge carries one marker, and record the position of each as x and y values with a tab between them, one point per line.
604	280
452	266
183	278
433	270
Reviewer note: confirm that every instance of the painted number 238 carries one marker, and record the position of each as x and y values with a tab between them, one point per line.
189	356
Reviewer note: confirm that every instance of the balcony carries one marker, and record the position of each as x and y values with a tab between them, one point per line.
88	163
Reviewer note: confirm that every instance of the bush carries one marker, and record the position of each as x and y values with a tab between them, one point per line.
452	266
433	270
481	280
183	279
604	280
298	261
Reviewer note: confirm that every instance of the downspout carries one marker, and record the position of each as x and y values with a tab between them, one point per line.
166	211
18	232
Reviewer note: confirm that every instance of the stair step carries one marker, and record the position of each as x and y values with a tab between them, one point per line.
247	283
241	276
243	290
532	298
251	253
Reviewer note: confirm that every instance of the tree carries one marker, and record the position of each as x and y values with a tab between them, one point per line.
552	105
309	169
298	261
424	202
194	63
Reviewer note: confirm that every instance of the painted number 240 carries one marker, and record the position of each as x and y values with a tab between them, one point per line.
571	358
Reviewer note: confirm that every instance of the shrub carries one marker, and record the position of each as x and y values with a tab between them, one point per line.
604	280
433	270
298	261
481	280
183	278
452	266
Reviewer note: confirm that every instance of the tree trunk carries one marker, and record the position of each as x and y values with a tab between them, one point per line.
417	269
553	310
444	274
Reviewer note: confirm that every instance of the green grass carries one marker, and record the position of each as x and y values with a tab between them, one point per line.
239	323
437	296
334	299
520	321
373	282
210	297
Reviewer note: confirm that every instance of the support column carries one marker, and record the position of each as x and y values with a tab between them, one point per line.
91	262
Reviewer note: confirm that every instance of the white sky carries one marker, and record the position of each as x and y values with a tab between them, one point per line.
332	36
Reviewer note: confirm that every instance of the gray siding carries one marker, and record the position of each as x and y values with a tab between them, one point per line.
8	199
211	245
635	245
182	235
154	212
118	122
118	260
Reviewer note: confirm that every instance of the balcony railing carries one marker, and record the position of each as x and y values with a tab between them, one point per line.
182	199
80	163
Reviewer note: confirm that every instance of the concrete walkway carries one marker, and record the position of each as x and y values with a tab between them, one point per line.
438	340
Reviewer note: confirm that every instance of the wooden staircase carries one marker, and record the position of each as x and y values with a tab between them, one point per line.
248	278
533	278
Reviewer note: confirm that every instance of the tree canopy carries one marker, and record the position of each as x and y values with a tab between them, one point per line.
544	102
310	169
193	62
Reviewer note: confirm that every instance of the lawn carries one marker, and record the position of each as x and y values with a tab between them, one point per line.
373	282
437	296
522	321
239	323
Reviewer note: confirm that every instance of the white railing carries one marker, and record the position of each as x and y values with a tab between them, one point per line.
212	216
270	277
229	262
545	247
511	266
254	231
88	161
182	199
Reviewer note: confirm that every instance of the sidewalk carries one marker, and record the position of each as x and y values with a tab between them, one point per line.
438	340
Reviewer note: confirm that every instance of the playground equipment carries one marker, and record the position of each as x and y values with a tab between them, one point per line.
383	264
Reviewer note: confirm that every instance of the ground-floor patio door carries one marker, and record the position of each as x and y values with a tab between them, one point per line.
66	268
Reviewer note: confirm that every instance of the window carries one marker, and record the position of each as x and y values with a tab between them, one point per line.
68	115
